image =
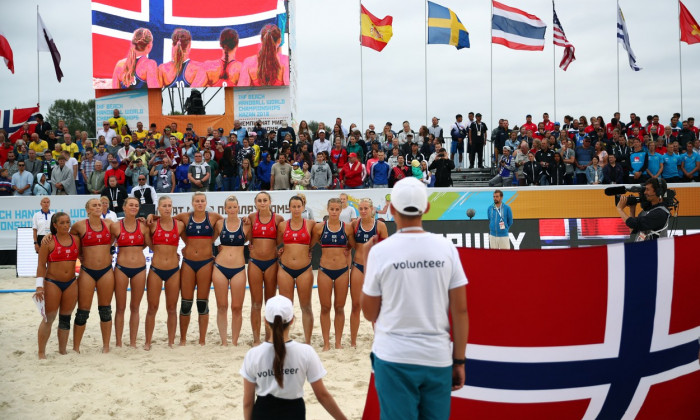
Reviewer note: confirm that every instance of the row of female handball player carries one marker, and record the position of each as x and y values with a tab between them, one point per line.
268	234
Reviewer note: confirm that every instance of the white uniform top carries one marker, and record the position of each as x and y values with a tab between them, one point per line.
347	214
300	363
413	273
42	222
110	216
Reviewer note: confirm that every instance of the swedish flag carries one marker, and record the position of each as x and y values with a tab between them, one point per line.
444	27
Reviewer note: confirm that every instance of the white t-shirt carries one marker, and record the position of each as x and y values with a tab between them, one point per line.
42	222
110	216
347	214
300	363
72	162
413	273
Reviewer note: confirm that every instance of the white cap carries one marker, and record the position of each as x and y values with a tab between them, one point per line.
279	305
410	197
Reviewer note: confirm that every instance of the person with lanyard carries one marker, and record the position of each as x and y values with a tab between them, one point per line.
262	267
143	192
41	223
294	235
458	133
130	269
336	239
95	272
165	268
107	214
500	220
276	371
413	280
478	135
229	270
55	278
198	259
364	228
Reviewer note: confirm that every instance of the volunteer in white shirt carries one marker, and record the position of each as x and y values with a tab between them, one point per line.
41	223
412	279
276	371
347	213
106	212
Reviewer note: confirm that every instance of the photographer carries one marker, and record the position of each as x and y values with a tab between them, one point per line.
650	223
443	169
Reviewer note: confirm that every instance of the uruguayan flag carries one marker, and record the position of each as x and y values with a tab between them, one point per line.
624	39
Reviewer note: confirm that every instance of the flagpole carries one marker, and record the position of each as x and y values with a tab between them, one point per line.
425	48
680	58
554	69
38	67
617	42
362	82
491	83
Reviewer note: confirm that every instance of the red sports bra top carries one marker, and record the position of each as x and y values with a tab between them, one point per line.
63	253
264	230
166	237
300	236
127	238
93	237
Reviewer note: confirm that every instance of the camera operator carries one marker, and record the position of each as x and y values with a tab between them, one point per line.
650	223
443	167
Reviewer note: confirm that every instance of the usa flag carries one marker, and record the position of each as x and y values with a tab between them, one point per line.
561	41
12	120
114	22
608	332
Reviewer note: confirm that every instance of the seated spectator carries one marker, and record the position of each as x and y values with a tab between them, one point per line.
520	161
506	167
594	173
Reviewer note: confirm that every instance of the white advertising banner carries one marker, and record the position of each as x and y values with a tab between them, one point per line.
132	106
270	105
17	212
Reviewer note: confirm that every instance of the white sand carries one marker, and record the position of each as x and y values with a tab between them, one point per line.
184	382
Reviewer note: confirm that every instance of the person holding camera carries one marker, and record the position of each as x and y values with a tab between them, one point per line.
650	223
443	169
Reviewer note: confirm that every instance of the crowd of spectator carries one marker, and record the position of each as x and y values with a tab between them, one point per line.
145	162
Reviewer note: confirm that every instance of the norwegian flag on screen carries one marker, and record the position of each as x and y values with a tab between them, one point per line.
608	332
114	22
12	120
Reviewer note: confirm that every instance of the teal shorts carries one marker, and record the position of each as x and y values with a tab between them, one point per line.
408	391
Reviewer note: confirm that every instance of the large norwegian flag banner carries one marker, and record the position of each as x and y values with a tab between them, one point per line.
115	24
607	332
12	121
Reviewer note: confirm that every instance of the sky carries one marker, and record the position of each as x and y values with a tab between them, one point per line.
338	78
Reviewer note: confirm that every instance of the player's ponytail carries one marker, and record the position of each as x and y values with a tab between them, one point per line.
181	40
278	328
268	65
141	39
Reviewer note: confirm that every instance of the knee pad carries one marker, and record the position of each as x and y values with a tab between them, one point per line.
81	317
186	307
105	313
203	306
64	322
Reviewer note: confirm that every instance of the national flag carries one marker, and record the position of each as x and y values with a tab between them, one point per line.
45	43
517	29
624	39
375	33
444	27
690	32
12	120
561	41
114	22
6	53
607	332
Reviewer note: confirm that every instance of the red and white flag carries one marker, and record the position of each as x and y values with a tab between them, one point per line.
45	43
12	120
561	40
6	53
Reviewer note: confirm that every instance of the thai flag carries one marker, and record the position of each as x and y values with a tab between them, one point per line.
608	332
516	29
114	22
12	120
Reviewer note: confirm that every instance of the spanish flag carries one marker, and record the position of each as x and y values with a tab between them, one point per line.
375	33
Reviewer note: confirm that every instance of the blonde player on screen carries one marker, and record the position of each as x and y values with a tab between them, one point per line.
136	70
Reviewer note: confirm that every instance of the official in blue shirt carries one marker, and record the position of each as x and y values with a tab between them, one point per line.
655	162
690	164
639	161
22	180
671	163
500	220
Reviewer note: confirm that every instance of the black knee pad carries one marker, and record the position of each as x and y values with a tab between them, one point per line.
64	322
81	317
203	306
105	313
186	307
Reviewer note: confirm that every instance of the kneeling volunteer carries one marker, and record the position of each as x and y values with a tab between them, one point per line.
276	371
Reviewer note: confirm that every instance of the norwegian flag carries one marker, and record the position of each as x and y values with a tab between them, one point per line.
12	120
561	41
114	22
608	332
